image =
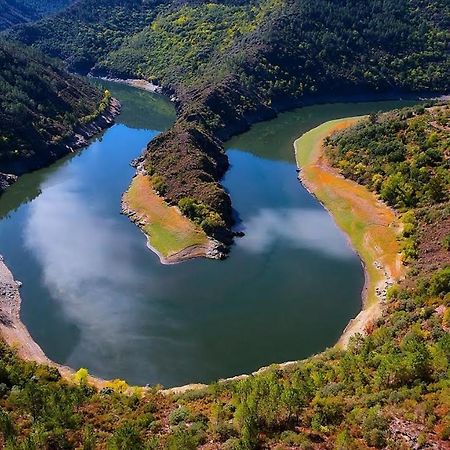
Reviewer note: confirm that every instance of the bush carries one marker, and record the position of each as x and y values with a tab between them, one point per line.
440	282
179	415
299	440
201	214
182	438
125	438
375	429
6	425
446	242
81	376
159	184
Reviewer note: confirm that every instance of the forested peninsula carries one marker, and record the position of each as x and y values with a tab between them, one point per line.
229	64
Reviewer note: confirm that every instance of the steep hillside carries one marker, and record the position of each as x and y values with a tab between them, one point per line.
404	156
231	63
16	12
41	108
88	29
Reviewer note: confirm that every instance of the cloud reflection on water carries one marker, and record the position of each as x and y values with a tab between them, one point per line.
86	260
302	228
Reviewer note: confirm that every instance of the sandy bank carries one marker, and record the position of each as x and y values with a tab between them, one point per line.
136	83
16	334
371	226
171	235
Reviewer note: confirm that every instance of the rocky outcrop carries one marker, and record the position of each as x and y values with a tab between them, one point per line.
6	179
84	132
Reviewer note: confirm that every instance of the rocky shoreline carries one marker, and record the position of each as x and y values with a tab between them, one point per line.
79	139
16	334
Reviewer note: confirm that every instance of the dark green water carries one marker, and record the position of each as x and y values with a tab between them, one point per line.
94	296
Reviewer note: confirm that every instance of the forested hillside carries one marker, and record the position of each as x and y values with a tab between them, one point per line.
404	156
389	389
88	30
231	63
16	12
40	108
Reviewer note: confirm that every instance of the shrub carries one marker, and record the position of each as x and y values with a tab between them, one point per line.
6	425
182	438
446	242
81	376
159	184
179	415
125	438
119	386
440	282
375	429
299	440
201	214
89	440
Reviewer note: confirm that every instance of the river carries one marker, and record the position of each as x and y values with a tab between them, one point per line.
94	296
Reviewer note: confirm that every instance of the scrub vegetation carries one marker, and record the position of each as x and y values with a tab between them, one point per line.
403	156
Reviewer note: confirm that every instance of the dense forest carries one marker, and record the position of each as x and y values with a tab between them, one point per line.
404	155
16	12
230	63
388	389
40	108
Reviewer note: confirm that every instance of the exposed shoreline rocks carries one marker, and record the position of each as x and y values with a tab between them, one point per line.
79	139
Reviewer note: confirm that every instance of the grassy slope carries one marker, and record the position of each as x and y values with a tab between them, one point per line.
371	226
168	232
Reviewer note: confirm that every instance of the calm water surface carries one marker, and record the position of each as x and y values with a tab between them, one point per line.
94	296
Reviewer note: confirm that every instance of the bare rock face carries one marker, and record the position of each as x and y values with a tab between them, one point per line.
6	179
416	436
